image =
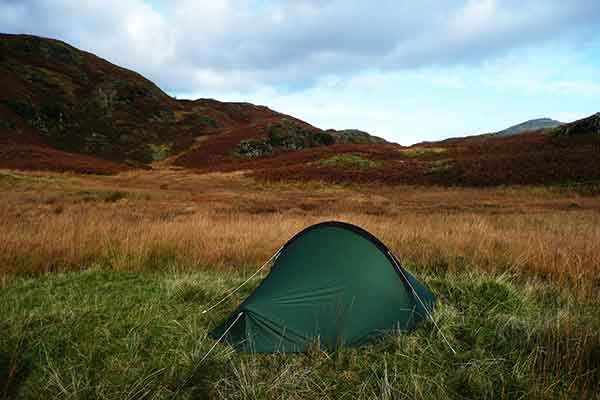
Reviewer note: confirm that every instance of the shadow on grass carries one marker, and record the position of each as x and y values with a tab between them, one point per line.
14	370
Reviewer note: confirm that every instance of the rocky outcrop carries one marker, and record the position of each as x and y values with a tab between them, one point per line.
355	136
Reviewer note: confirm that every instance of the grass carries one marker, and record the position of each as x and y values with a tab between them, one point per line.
103	298
353	161
116	334
438	166
416	152
160	151
8	178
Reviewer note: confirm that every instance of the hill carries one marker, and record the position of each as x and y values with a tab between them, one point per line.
585	126
540	157
64	109
66	100
528	126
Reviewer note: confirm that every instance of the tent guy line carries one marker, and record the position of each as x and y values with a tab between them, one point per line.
274	256
421	301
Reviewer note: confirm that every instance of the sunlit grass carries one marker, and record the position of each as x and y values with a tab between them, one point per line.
415	152
103	280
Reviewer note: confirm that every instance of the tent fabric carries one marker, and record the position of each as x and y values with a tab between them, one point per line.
333	284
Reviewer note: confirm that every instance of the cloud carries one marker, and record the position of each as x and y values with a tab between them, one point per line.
241	45
406	70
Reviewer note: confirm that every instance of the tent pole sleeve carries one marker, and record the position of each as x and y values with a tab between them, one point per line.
420	301
243	283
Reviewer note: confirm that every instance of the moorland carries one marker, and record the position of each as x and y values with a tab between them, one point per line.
125	213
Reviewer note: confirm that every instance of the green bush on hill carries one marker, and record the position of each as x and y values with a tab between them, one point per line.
350	161
160	151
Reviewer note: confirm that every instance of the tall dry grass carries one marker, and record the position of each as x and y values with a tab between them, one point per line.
225	221
564	247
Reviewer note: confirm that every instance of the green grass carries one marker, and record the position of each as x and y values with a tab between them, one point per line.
160	151
12	178
416	152
438	166
350	161
111	334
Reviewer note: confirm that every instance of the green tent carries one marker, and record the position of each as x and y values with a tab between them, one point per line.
333	284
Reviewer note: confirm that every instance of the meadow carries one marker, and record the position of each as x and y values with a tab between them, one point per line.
103	280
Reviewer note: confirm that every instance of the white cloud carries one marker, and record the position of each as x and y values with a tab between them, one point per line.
202	44
409	71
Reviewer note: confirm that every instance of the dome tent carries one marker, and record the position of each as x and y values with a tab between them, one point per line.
333	283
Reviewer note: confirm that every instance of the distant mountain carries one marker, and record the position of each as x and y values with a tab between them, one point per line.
528	126
57	100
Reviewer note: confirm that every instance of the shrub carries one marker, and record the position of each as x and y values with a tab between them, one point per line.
254	148
354	161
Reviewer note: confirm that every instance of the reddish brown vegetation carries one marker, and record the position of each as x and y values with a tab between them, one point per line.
535	158
73	101
524	159
240	121
30	154
59	102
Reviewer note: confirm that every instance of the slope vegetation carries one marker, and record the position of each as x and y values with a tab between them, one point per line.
69	100
67	110
568	155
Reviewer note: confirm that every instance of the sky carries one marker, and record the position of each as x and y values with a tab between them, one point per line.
406	70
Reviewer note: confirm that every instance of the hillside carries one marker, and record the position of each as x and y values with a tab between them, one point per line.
63	109
583	126
63	99
529	126
541	157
